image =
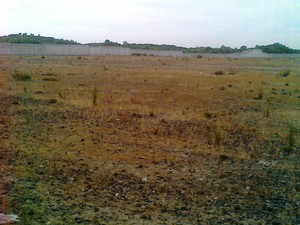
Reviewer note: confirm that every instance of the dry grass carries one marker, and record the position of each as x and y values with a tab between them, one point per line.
166	141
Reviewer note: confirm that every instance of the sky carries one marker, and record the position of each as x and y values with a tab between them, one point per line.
188	23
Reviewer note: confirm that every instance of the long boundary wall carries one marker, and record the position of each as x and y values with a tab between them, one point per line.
48	49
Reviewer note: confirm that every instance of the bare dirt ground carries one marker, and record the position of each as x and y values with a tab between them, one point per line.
152	140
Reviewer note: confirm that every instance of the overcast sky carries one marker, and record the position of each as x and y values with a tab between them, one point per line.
188	23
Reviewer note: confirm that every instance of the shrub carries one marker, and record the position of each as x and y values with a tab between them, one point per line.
22	76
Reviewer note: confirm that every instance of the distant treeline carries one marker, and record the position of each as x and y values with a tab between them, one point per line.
272	48
139	46
275	48
32	39
223	49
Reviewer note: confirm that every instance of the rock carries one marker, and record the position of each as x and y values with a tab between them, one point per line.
10	218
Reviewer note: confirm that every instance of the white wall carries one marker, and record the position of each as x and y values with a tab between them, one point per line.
48	49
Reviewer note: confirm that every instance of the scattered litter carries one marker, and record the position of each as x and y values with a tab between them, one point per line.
144	179
10	218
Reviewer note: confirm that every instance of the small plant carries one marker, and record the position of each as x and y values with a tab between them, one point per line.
284	73
267	112
219	73
291	135
60	94
52	101
95	96
222	88
267	109
217	139
25	89
232	71
22	76
208	115
260	95
291	140
49	79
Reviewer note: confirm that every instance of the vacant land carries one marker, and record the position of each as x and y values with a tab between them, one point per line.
150	140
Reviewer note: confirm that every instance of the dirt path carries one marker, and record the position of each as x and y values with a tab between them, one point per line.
3	144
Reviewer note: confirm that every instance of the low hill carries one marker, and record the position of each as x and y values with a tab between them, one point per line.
32	39
275	48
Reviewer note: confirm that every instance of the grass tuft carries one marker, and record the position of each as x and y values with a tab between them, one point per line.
95	96
217	139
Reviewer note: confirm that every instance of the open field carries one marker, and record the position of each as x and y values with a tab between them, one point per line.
150	140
